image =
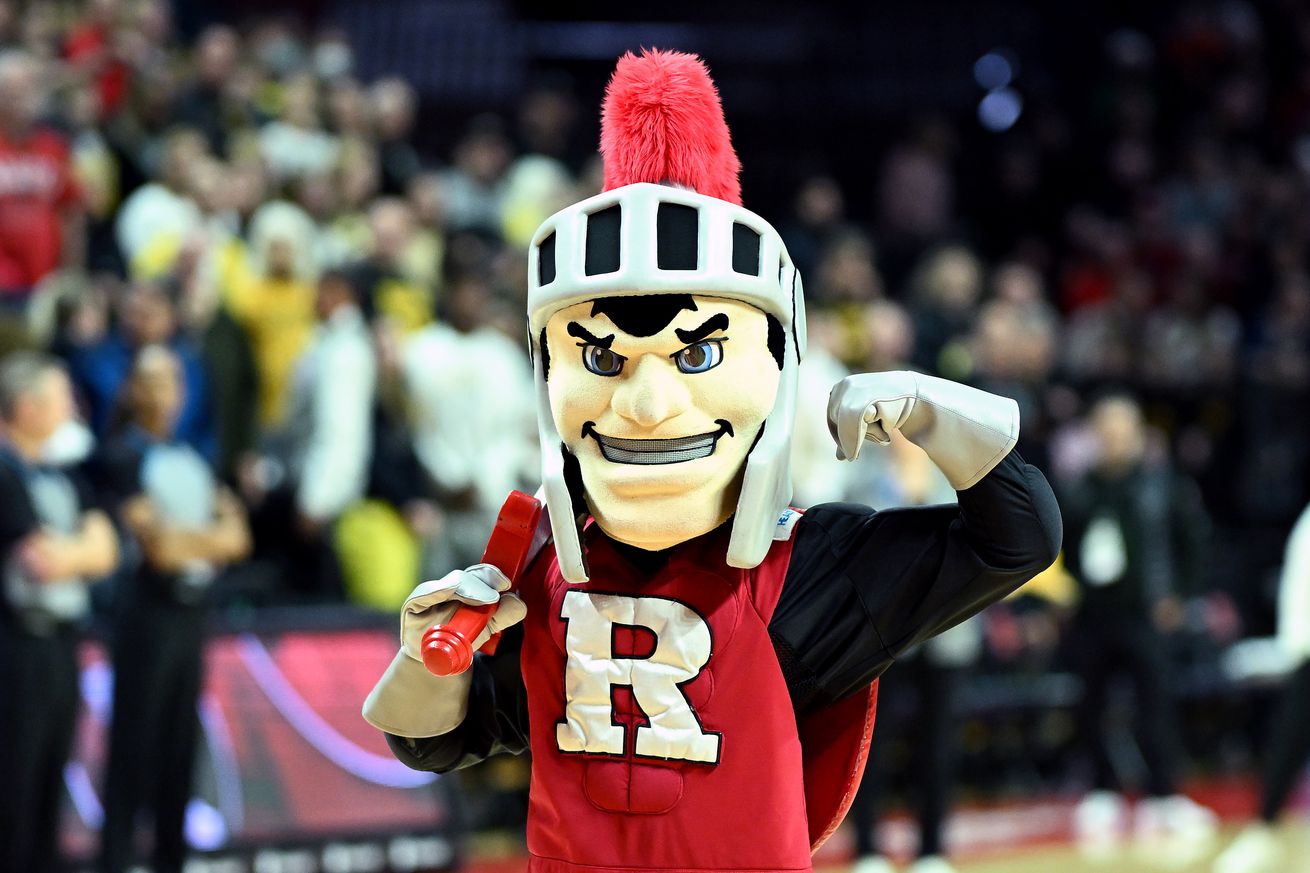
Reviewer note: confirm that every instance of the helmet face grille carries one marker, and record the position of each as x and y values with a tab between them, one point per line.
677	228
546	261
745	250
604	230
678	238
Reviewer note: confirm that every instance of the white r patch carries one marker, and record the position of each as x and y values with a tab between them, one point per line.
683	645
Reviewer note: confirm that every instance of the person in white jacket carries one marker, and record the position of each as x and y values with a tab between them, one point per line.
1257	849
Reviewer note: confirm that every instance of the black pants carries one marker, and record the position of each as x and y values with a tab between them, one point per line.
1289	745
915	708
38	712
158	671
1106	649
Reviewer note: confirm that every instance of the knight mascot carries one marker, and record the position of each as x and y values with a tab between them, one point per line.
691	662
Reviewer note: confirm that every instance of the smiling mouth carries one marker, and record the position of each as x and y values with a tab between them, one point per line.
668	451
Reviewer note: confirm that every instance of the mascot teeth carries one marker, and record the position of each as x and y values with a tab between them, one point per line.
670	451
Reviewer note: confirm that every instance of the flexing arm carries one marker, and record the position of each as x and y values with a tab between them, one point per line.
865	586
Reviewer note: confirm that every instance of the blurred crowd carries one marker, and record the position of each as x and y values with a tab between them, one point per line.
338	315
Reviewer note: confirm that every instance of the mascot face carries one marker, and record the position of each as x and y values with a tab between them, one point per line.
660	398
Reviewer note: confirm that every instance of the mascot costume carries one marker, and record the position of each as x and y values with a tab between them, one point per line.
690	661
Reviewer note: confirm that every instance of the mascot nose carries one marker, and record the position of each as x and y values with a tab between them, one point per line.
652	394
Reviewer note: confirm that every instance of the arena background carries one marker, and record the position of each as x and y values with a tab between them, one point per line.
1052	202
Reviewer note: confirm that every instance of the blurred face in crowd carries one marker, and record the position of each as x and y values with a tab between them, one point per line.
819	202
148	316
483	156
334	291
392	225
1120	433
208	185
357	176
890	334
425	199
847	271
82	106
393	108
103	12
348	108
154	20
953	279
217	52
22	93
1018	283
660	402
316	195
300	103
281	263
183	149
465	303
246	184
156	392
41	410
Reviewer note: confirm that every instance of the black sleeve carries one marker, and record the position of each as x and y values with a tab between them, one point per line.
497	720
865	586
113	475
17	519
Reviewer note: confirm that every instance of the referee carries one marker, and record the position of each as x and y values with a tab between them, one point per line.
187	528
52	543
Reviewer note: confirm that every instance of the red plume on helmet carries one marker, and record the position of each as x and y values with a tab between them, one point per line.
662	122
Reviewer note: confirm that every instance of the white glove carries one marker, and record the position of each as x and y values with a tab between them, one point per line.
965	431
408	701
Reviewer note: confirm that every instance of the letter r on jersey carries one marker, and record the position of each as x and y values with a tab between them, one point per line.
683	645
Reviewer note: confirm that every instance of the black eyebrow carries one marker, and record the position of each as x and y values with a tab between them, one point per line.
587	336
696	334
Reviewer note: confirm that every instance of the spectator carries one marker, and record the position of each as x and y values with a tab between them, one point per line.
96	169
475	185
187	529
427	252
1137	533
916	194
470	390
40	208
330	426
54	542
398	282
846	272
272	296
147	315
394	104
1288	748
92	48
820	211
296	145
161	214
205	105
947	286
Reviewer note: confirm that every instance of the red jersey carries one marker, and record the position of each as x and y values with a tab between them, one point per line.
36	184
675	747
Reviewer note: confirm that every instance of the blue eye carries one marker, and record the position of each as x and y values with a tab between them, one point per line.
602	361
699	357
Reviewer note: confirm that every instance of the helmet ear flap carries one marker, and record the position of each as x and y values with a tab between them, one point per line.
561	483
